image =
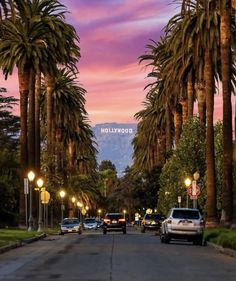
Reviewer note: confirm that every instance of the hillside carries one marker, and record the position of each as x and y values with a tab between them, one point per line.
115	143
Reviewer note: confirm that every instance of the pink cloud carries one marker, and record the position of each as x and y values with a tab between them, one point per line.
113	34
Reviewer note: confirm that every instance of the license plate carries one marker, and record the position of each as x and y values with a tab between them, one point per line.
114	221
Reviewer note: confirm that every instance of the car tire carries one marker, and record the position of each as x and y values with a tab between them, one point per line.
166	239
62	233
80	232
104	231
198	241
124	231
143	229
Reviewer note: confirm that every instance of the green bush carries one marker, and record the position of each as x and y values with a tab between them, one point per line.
223	237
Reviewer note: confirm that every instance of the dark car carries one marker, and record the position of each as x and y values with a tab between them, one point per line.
70	225
151	222
114	222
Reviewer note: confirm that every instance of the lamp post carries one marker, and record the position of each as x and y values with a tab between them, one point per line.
187	184
40	185
196	177
73	200
99	214
80	205
31	176
124	211
62	195
87	208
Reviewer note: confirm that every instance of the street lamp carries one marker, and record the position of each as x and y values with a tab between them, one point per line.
87	208
80	205
40	185
196	177
99	213
124	211
187	184
31	176
62	195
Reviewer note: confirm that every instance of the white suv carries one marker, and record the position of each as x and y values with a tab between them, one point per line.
183	223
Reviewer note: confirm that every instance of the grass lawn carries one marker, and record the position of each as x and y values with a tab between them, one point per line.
12	235
221	236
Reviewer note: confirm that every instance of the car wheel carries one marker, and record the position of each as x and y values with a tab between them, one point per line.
62	233
198	241
124	231
166	239
104	231
143	230
80	232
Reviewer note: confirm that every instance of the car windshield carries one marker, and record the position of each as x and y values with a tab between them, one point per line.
89	221
186	214
65	222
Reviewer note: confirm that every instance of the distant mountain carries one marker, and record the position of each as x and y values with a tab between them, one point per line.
114	143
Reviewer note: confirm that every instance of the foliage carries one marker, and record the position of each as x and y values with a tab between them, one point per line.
9	177
221	236
107	165
188	158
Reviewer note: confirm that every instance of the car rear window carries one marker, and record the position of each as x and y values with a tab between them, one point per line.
186	214
114	216
153	217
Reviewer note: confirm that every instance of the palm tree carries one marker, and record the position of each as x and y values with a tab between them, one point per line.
226	65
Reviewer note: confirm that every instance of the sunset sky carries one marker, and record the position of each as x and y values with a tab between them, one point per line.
113	34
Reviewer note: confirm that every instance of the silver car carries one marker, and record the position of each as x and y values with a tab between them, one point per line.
70	225
183	223
90	223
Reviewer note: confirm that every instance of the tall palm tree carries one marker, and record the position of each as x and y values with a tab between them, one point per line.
226	65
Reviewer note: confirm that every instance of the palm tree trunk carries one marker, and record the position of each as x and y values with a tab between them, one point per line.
24	91
211	220
168	130
190	95
177	122
184	104
31	122
200	93
233	3
227	192
37	121
49	83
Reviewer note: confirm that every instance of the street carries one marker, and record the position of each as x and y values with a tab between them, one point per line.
93	256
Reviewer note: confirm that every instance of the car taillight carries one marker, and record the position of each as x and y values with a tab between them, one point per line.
106	220
121	220
169	221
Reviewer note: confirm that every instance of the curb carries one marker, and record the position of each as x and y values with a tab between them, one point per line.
21	243
222	250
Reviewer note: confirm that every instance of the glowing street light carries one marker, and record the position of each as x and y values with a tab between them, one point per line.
40	185
62	195
31	176
187	184
124	211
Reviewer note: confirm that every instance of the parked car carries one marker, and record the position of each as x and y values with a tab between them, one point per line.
70	225
151	222
89	223
114	222
183	223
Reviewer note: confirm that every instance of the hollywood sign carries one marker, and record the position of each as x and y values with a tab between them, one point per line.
117	130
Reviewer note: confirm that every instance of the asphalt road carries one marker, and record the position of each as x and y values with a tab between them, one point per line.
93	256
